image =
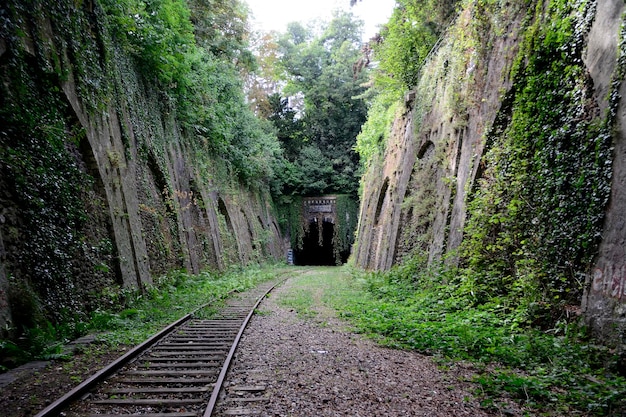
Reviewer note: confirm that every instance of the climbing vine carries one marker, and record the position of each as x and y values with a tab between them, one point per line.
138	65
404	43
290	213
375	131
41	180
347	209
536	216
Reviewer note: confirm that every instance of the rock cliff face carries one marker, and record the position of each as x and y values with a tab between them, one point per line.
605	296
415	195
449	168
100	187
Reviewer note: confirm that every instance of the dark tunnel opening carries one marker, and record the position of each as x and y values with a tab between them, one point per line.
316	251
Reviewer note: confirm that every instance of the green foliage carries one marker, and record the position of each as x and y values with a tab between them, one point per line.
221	27
290	214
43	183
534	223
552	373
318	134
158	33
194	52
318	131
375	131
406	40
38	343
174	295
427	309
113	52
45	178
11	355
347	209
399	51
316	169
198	79
533	228
132	316
535	218
290	128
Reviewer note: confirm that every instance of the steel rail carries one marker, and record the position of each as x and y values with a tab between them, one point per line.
220	380
57	406
81	389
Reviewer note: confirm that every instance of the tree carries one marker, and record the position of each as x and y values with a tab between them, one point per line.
316	171
320	69
267	78
406	40
221	27
290	129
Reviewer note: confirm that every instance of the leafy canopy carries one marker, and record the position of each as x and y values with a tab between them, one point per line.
196	52
319	113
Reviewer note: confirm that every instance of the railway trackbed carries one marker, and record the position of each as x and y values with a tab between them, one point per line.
177	372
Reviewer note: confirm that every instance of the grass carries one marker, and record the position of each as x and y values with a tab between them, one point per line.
311	292
134	315
559	372
174	296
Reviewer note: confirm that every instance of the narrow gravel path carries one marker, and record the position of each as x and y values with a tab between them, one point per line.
316	367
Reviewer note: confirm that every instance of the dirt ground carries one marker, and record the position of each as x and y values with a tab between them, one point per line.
309	367
29	389
317	367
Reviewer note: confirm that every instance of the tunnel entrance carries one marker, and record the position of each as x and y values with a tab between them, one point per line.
317	245
325	238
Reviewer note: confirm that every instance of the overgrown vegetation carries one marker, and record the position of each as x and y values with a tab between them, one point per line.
400	51
534	222
559	371
556	370
405	41
173	296
374	133
170	71
197	54
347	209
535	218
319	112
535	211
48	225
132	316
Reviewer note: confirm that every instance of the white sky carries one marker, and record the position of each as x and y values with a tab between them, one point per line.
276	14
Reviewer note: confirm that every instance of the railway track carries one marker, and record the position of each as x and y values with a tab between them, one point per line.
178	372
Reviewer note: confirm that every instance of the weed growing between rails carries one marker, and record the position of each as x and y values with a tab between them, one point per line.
134	316
320	292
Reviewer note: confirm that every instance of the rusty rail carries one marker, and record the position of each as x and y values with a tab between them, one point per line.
171	373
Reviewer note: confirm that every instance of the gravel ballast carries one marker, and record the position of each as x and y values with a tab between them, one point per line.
317	367
290	365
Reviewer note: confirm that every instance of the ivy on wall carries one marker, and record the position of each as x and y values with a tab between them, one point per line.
198	77
145	61
405	41
536	215
291	220
293	223
347	209
375	131
45	189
